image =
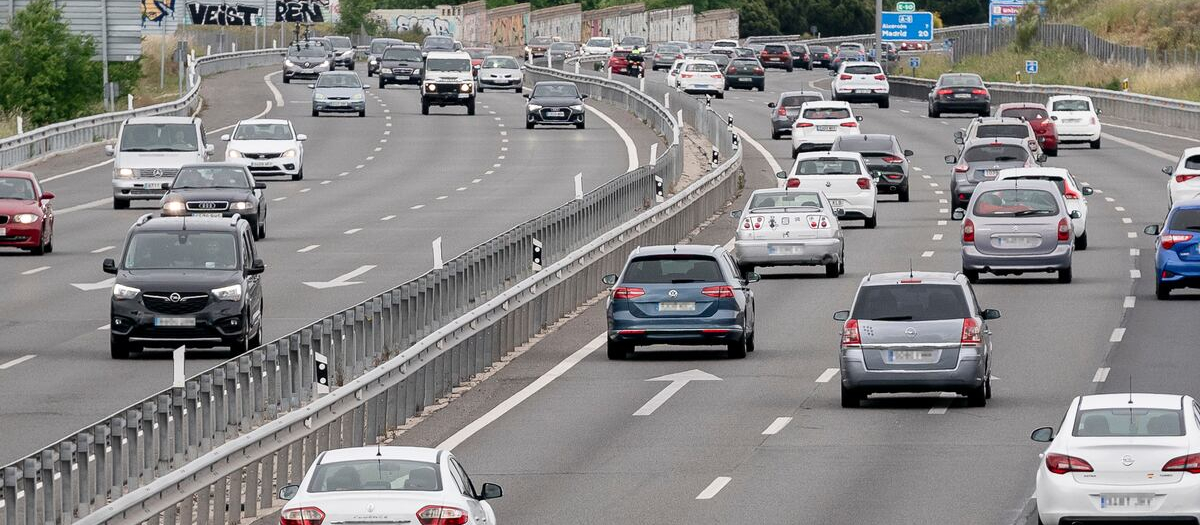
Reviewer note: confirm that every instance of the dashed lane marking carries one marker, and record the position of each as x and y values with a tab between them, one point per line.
308	248
1134	252
943	210
39	269
417	207
387	218
1130	301
941	223
927	254
352	231
827	375
1109	199
943	404
343	174
104	249
1126	220
324	182
937	236
277	199
1119	208
1101	375
776	426
1117	335
443	197
476	181
1132	235
715	487
461	188
17	361
1135	274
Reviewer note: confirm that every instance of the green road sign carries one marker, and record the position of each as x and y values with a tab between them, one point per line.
906	7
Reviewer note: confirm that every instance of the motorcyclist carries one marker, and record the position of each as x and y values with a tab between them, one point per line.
636	61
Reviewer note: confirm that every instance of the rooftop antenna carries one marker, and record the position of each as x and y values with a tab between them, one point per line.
910	268
378	449
1131	389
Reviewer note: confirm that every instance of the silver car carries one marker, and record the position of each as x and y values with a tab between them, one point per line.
915	332
981	160
785	110
664	56
305	61
1015	226
781	227
500	72
340	93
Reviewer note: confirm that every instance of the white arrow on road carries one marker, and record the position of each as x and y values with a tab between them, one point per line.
342	280
87	287
677	382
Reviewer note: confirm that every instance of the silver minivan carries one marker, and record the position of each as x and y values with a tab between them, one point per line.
1015	226
148	154
915	332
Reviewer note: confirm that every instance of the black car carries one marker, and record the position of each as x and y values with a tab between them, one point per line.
218	190
885	159
186	281
745	73
959	93
375	51
722	60
555	102
343	52
801	56
821	56
400	65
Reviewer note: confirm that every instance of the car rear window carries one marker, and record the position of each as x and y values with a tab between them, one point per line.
448	64
859	144
375	474
667	49
1013	131
799	100
702	68
818	49
911	302
1030	114
996	153
1185	219
961	81
1071	105
863	70
377	46
1058	181
1128	422
828	166
1192	163
791	199
1016	203
673	269
776	49
826	113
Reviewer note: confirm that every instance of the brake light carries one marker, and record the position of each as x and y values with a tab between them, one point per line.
793	183
941	92
758	222
625	292
782	111
863	183
1064	230
685	75
1070	195
719	292
1169	240
746	225
978	91
961	168
441	515
893	160
1186	177
1062	464
765	53
758	70
631	332
302	516
818	222
844	76
849	124
880	77
1188	463
968	229
1093	121
850	336
910	281
970	332
804	124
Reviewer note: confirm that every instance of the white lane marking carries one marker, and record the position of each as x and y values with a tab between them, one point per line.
1130	301
105	327
489	172
104	249
342	280
305	190
497	118
939	192
324	182
417	207
905	111
1117	335
926	176
476	181
943	201
308	248
359	167
630	148
503	148
277	199
84	206
1132	235
98	285
343	174
389	124
1135	274
933	184
937	236
714	487
389	118
460	188
1109	199
1101	375
525	393
503	133
776	426
729	244
943	210
1119	208
1139	147
943	404
35	270
927	254
1126	220
827	375
80	170
378	149
504	141
1190	139
1134	252
387	132
17	361
352	231
775	168
372	157
497	166
442	197
274	90
388	218
502	125
944	123
917	169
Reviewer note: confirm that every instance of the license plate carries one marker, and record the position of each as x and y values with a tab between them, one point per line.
139	191
555	114
261	164
837	203
463	95
773	59
1072	121
1108	501
826	128
206	214
862	91
962	95
306	71
501	81
175	321
743	79
784	249
338	103
991	174
677	307
911	356
1017	242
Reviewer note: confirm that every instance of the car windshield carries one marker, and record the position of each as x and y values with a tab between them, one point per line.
340	42
1015	203
375	474
308	52
792	101
448	64
826	113
668	50
858	144
541	40
339	81
960	81
225	177
1012	131
555	90
159	137
862	70
263	132
599	42
1029	114
673	269
702	68
996	153
1058	181
827	166
1185	219
377	46
182	250
818	49
910	302
402	53
1128	422
792	199
500	63
1072	105
16	188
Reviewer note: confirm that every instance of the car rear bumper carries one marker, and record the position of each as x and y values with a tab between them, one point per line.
1078	132
1176	272
849	95
780	62
709	335
540	117
966	375
1058	259
21	235
350	107
782	126
962	106
744	81
1060	499
1048	142
448	99
891	185
713	88
780	252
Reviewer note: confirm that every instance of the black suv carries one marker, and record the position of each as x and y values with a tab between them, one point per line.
186	281
400	65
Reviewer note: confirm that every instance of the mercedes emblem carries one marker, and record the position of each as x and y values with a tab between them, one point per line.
175	297
673	293
1127	460
910	332
158	172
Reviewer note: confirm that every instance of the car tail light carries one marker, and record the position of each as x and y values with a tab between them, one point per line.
442	515
1093	121
863	183
793	183
1171	239
719	292
850	336
880	77
978	91
758	71
942	92
731	70
302	516
746	224
1062	464
849	124
758	222
764	53
844	76
782	111
631	332
1064	230
968	229
1188	463
1070	194
971	332
685	75
818	222
678	57
961	168
804	124
714	331
1186	177
625	292
893	160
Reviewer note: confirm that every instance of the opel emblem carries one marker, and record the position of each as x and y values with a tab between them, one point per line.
158	172
1127	460
910	332
828	184
673	293
175	297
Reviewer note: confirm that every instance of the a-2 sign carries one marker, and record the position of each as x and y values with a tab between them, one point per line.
1031	67
906	7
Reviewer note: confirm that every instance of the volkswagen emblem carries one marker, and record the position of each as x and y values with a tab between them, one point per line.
910	332
158	172
175	297
1127	460
370	507
673	293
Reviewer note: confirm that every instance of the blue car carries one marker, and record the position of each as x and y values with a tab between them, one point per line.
682	295
1177	252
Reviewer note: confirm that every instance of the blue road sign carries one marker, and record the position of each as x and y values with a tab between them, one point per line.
1031	67
907	27
914	62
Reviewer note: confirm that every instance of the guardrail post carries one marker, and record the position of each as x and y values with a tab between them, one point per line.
337	362
390	304
310	341
245	388
266	496
271	378
326	347
177	420
11	485
29	471
233	404
149	428
163	422
220	502
193	414
360	340
50	511
296	357
104	462
133	437
377	329
218	408
287	393
83	459
205	405
250	488
258	402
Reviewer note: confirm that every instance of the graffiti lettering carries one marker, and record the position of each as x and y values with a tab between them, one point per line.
431	25
157	10
300	10
222	14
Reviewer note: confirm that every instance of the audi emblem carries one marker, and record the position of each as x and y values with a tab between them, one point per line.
175	297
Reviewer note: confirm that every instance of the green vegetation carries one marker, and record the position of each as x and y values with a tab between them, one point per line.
1156	24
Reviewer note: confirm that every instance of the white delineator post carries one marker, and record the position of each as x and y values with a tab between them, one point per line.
437	253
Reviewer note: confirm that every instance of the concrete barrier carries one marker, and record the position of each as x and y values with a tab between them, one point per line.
671	24
474	23
717	24
562	21
506	25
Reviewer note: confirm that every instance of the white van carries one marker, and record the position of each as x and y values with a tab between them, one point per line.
149	152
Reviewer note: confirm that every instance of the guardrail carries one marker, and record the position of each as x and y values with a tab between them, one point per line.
66	136
210	452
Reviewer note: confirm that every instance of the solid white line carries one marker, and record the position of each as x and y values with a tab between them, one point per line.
35	270
525	393
1130	301
308	248
745	137
93	204
776	426
1117	335
417	207
352	231
1101	375
630	148
274	90
827	375
1134	252
104	249
388	218
16	361
80	170
1135	274
927	254
714	487
1190	139
1139	147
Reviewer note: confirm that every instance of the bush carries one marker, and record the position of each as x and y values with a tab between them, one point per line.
1027	27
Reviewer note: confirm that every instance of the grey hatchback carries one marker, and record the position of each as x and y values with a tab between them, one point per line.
981	160
339	92
915	332
785	110
1015	226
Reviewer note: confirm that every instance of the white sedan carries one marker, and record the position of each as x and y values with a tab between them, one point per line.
819	123
1074	194
1077	119
391	485
1184	183
267	147
1121	457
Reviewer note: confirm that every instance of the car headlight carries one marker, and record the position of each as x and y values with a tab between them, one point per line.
430	87
577	107
356	96
291	153
243	205
25	218
125	173
124	293
325	64
174	207
373	60
535	107
233	154
228	293
465	87
417	71
288	63
319	96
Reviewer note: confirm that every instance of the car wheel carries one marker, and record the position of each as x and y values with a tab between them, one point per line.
370	73
424	108
1162	290
971	275
790	69
315	113
618	351
516	90
351	67
808	67
871	222
726	87
529	125
262	231
884	104
775	135
761	87
1052	152
750	342
471	107
120	204
481	89
580	125
287	80
50	244
40	249
933	113
119	347
987	386
1064	275
1095	144
721	94
977	397
986	113
904	193
256	340
795	153
299	175
842	264
382	84
833	270
851	398
737	350
1081	242
362	113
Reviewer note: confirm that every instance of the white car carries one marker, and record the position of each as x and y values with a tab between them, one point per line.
844	179
701	76
388	485
1074	194
1184	183
673	74
860	82
783	227
598	45
267	147
1078	120
819	123
1121	458
726	43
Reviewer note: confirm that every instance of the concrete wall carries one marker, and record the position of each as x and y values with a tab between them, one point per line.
474	23
616	22
562	21
507	25
84	16
717	24
433	21
671	24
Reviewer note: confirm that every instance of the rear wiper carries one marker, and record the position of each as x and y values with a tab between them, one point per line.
894	318
685	281
1026	213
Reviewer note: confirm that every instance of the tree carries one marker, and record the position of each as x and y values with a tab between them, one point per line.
755	18
355	18
49	75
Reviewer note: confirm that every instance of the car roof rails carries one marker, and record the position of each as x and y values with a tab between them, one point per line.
142	220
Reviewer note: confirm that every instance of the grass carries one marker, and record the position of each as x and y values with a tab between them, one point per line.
1155	24
1065	66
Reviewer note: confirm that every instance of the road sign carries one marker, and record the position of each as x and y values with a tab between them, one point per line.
907	27
906	7
1031	67
914	62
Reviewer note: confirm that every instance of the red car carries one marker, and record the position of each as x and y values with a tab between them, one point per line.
1039	119
618	62
477	56
776	55
26	218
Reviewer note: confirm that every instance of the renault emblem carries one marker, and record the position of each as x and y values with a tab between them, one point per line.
158	172
673	293
175	297
1127	460
910	332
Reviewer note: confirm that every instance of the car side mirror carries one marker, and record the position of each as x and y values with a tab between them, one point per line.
609	279
958	140
1075	215
256	267
950	159
1052	117
858	118
301	137
958	214
1042	435
109	266
752	277
832	72
1169	170
841	315
108	150
1152	229
490	491
1042	158
781	174
225	138
1099	111
260	185
366	87
46	195
735	214
771	105
959	134
288	492
991	313
209	149
908	153
583	96
526	95
312	86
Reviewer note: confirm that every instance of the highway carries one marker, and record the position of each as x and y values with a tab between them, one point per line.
769	442
376	192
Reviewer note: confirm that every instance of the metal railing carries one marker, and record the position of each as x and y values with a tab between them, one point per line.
63	137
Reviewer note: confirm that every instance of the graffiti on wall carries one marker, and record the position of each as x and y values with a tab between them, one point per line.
157	11
471	28
304	11
222	14
508	30
561	26
431	25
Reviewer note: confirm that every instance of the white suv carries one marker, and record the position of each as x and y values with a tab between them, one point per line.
819	123
701	76
1184	183
860	82
148	154
1077	119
